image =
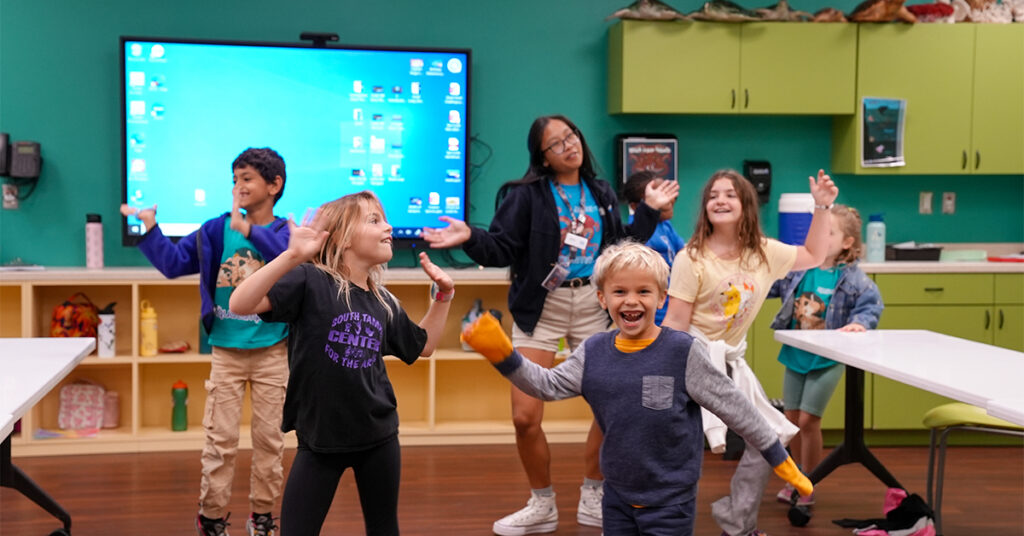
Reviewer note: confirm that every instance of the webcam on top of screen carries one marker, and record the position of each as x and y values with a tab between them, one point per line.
319	39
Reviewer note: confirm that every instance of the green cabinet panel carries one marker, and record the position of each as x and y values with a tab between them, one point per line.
1009	327
665	67
973	124
770	372
998	128
972	322
938	289
898	406
1009	288
797	68
716	68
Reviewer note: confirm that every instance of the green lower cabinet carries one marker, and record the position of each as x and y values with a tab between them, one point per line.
1008	323
770	372
898	406
972	322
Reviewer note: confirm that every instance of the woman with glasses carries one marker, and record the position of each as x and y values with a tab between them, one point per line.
549	228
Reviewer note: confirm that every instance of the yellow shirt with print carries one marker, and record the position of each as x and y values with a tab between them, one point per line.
727	294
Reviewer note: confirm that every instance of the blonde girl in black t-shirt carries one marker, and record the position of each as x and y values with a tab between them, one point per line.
342	322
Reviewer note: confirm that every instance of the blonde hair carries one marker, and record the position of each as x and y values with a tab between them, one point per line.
750	236
849	222
341	218
630	254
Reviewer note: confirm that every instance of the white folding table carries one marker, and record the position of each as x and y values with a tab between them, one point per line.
30	369
963	370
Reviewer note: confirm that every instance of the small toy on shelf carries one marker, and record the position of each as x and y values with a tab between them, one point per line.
783	13
881	11
937	12
647	10
723	11
829	14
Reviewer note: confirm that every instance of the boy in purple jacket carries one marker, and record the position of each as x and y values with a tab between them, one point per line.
224	250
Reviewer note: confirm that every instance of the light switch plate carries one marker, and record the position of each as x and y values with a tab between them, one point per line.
924	203
948	202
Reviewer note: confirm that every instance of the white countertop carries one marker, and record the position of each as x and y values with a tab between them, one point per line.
1009	409
123	274
939	267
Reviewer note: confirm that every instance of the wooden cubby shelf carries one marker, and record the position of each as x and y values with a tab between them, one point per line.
453	397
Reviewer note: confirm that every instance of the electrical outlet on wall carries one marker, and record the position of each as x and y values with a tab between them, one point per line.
948	202
10	196
924	203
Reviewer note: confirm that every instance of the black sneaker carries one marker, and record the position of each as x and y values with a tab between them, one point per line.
212	527
260	525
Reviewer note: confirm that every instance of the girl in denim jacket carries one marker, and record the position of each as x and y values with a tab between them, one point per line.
836	295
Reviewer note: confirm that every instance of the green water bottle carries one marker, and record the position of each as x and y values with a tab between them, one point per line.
179	414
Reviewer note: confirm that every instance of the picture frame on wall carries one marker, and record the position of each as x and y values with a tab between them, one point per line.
657	153
882	132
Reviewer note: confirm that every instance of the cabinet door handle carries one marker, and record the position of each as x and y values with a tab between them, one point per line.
963	162
733	105
746	98
1000	319
977	159
988	319
934	289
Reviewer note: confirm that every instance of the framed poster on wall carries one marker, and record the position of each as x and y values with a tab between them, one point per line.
882	142
657	153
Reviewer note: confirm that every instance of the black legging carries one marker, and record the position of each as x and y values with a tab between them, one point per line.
314	478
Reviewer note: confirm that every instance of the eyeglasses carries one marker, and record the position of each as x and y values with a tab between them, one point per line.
559	146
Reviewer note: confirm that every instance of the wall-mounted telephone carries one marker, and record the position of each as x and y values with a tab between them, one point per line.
759	172
21	162
25	160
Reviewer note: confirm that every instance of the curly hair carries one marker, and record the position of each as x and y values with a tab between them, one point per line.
266	162
850	223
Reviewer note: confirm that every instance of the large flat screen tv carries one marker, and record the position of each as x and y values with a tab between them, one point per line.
344	118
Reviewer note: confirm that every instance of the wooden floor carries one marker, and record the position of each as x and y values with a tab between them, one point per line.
462	490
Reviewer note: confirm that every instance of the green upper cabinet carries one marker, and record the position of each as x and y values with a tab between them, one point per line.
798	68
700	67
964	87
998	133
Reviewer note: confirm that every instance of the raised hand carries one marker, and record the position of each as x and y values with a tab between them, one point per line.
308	239
453	235
486	337
662	195
146	215
238	222
823	189
789	472
443	281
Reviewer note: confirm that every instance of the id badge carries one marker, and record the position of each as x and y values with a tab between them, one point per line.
556	277
576	241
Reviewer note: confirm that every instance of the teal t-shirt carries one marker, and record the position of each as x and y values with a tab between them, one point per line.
582	264
812	298
239	260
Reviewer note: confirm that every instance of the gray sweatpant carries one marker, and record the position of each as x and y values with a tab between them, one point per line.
736	513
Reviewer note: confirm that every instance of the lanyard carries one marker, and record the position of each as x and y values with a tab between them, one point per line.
576	221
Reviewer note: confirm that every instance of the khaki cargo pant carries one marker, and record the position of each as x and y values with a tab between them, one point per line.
266	371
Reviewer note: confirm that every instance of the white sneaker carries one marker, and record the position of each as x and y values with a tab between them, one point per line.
589	510
540	515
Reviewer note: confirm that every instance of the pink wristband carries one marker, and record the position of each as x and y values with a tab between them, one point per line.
438	296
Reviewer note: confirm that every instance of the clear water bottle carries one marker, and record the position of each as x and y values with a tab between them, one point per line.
93	241
875	239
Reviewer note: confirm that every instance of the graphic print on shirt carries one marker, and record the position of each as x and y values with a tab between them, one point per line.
241	264
233	270
809	311
735	294
590	229
354	340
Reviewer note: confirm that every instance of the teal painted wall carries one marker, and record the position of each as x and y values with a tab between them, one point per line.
59	86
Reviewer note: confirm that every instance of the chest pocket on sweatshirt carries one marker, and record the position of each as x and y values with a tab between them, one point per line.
657	392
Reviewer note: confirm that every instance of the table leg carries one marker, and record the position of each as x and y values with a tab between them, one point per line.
853	449
12	477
